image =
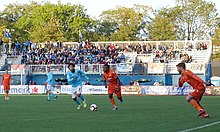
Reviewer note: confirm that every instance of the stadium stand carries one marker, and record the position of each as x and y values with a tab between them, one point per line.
154	60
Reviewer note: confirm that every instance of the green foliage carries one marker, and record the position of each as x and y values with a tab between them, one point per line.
194	18
40	22
126	22
162	27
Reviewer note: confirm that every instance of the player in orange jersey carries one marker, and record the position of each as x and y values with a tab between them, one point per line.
6	80
114	84
198	85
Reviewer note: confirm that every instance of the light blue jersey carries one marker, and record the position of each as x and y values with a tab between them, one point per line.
49	78
75	79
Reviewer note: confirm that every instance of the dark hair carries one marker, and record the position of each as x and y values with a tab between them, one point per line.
71	64
107	65
183	65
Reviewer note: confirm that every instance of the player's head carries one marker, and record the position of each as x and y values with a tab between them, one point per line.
181	67
48	69
71	67
6	71
106	68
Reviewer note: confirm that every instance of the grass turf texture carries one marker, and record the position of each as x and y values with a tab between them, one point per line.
137	113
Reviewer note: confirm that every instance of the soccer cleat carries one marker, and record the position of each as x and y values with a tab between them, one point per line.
115	108
79	107
6	98
48	99
201	112
204	115
55	98
84	103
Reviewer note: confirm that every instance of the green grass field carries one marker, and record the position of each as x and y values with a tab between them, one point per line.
136	114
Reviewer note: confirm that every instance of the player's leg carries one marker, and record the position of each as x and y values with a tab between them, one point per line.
48	92
110	95
192	99
118	94
74	97
52	92
6	89
205	115
79	94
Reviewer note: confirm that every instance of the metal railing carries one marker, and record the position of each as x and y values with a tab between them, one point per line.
122	68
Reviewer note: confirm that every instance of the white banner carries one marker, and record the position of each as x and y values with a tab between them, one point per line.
37	89
166	90
65	89
16	89
90	89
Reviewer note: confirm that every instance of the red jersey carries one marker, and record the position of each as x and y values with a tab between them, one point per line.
111	76
192	79
6	79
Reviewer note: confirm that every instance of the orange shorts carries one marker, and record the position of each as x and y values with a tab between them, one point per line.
6	87
112	90
197	94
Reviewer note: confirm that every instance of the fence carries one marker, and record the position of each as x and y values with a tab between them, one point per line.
121	68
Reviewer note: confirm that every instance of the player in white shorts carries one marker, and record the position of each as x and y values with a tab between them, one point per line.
49	85
74	78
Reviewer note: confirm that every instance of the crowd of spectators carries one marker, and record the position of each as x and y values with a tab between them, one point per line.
88	53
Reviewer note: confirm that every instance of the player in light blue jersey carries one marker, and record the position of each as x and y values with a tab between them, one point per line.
74	78
49	85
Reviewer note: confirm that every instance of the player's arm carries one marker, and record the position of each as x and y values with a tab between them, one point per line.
83	74
10	79
104	81
69	78
2	80
181	81
117	80
50	77
192	75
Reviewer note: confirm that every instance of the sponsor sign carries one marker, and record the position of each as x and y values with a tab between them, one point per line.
16	89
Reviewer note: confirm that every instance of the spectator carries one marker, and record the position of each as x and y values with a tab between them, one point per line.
131	82
210	83
87	83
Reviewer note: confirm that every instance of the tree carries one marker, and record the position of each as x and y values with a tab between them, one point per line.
194	18
162	26
51	22
216	37
126	21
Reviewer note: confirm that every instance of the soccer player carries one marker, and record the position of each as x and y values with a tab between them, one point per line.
198	85
74	78
114	85
6	80
49	85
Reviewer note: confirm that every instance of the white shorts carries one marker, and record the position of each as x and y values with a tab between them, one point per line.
49	87
76	90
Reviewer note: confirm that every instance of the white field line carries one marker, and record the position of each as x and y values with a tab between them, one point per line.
200	127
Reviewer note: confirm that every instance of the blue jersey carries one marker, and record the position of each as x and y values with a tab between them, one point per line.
49	78
75	79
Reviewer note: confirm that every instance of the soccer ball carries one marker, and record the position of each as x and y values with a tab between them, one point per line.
93	107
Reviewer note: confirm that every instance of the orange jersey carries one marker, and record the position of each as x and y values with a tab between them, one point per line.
6	79
111	76
191	79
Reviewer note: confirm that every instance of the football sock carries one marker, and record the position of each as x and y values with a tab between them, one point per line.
6	94
77	101
120	98
200	105
113	102
81	97
195	104
48	96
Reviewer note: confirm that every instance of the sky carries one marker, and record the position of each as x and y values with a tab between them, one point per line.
95	7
